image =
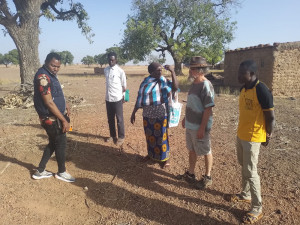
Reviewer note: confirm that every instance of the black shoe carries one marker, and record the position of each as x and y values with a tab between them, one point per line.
188	177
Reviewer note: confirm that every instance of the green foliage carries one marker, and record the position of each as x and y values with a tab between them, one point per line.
1	59
101	59
88	60
66	57
139	39
75	12
121	57
12	57
181	27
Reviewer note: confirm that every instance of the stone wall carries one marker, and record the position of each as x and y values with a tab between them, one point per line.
278	66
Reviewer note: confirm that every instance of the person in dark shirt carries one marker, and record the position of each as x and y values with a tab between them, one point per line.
50	104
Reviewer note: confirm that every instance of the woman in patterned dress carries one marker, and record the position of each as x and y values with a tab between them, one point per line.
154	95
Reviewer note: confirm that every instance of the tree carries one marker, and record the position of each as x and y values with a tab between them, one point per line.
88	60
101	59
6	60
1	59
12	57
153	58
122	59
66	57
180	27
22	25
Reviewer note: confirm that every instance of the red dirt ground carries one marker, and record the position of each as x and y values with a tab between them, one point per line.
113	187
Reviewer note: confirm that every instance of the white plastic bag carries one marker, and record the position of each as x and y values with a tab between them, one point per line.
175	112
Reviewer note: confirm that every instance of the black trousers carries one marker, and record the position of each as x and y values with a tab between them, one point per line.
115	110
57	144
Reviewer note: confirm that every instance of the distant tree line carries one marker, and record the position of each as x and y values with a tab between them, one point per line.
12	57
101	58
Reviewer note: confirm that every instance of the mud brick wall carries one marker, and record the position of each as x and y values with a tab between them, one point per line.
98	70
263	56
278	66
286	69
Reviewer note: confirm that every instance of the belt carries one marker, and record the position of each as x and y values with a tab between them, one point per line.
51	118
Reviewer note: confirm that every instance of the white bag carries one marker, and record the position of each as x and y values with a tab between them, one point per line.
175	111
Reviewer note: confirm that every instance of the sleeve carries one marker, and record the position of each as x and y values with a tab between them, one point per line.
139	98
264	96
123	79
207	95
44	84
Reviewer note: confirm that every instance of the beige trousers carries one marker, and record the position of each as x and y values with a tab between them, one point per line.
247	154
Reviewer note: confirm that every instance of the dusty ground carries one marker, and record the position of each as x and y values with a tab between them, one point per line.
113	187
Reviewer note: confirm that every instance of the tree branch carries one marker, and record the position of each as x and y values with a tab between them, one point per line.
164	36
173	28
61	14
4	11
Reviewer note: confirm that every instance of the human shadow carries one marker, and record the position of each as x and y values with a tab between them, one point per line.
125	166
87	135
36	125
109	160
5	158
112	196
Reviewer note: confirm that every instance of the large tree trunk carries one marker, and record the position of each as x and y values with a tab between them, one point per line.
177	64
178	67
27	42
25	34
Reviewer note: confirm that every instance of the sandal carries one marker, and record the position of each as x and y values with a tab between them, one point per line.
238	198
251	218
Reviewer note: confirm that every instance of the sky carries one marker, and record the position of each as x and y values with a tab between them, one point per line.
258	22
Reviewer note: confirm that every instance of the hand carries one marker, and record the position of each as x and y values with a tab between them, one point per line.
200	133
183	122
267	140
132	118
65	126
169	68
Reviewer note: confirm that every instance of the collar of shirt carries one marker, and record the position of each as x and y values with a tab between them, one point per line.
252	85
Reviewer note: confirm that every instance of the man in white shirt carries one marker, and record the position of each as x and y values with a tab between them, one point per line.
115	88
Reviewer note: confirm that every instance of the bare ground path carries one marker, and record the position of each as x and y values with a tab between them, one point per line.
113	187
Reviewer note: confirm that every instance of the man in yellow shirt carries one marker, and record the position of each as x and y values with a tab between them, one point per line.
256	123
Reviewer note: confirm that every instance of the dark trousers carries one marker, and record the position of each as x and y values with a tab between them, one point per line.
115	109
57	144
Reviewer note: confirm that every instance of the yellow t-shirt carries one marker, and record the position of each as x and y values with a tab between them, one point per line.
252	103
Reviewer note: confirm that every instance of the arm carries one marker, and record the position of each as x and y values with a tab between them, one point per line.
68	108
123	80
174	78
47	99
132	118
270	123
206	114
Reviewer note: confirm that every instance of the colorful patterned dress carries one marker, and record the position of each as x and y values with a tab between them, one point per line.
153	97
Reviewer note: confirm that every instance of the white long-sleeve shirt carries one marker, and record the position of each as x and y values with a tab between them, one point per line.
115	82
